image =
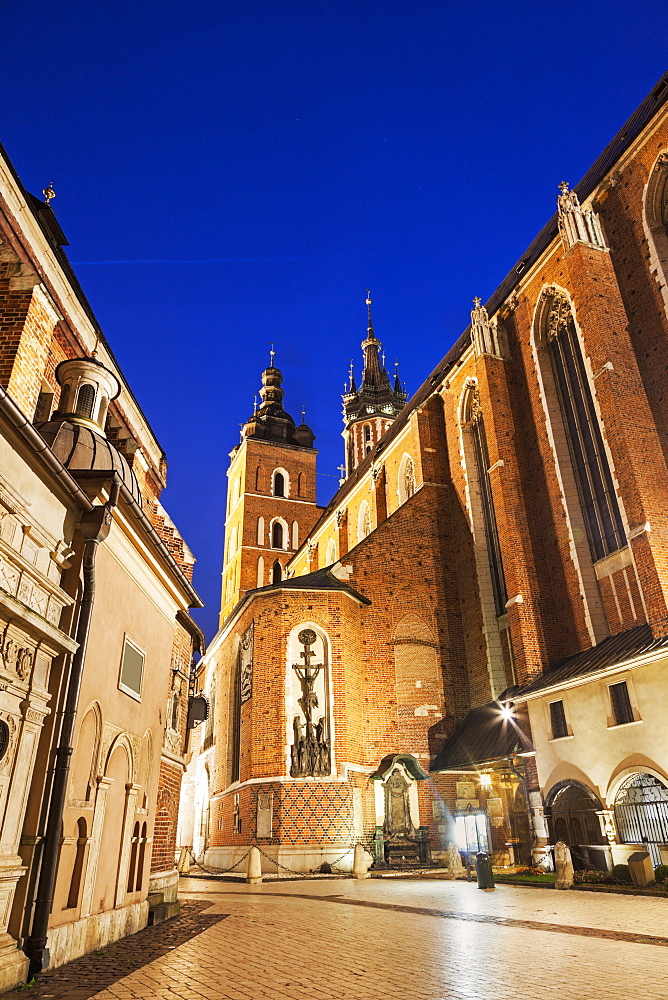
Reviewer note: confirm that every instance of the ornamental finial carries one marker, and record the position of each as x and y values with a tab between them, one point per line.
272	354
49	194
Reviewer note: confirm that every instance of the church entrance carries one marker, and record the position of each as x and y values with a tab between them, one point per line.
641	813
572	814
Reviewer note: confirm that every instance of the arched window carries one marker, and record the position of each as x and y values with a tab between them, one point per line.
64	401
132	873
588	456
656	222
260	531
77	871
102	413
330	556
232	547
474	425
260	572
235	728
363	521
276	572
277	535
367	432
279	484
85	400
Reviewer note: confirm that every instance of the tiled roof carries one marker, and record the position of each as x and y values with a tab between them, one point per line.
615	649
482	736
321	579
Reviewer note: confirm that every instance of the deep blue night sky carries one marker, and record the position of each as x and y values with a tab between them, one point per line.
231	174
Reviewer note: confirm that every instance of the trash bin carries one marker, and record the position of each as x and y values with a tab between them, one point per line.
483	867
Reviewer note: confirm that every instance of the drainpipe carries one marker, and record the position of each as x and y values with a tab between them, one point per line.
94	527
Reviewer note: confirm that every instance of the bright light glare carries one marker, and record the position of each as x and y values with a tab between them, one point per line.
485	779
506	712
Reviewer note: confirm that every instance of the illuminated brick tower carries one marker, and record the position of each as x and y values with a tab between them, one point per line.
369	410
270	496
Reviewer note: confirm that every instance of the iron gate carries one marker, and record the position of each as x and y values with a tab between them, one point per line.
641	813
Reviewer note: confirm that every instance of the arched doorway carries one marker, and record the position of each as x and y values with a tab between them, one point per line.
572	816
641	812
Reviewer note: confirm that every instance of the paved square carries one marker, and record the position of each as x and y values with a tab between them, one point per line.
394	940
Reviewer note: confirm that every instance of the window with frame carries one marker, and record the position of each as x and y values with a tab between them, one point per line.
558	720
85	400
593	476
622	710
277	535
476	426
132	669
279	484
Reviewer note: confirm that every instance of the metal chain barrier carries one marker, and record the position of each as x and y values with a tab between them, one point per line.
217	871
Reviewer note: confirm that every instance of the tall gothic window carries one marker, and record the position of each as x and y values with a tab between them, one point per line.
235	727
475	424
276	572
603	522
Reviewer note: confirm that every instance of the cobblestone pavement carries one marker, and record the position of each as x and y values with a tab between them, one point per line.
382	940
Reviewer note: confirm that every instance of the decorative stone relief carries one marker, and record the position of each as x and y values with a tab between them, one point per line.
310	754
19	584
16	658
560	312
7	755
246	655
340	514
577	224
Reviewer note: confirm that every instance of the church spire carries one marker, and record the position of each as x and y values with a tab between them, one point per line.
369	410
373	374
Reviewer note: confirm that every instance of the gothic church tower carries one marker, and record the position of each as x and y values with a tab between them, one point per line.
369	410
271	495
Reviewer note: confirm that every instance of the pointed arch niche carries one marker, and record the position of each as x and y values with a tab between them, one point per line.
419	684
406	479
309	725
363	521
486	548
655	222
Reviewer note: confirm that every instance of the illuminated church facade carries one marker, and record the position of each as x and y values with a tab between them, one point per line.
468	644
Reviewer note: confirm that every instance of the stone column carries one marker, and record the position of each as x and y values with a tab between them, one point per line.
126	842
103	785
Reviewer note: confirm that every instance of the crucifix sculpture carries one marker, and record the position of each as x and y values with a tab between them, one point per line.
310	752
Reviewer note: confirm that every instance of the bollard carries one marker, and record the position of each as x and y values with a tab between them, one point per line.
483	867
254	870
360	863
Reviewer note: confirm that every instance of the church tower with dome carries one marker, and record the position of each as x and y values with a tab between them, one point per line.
271	495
